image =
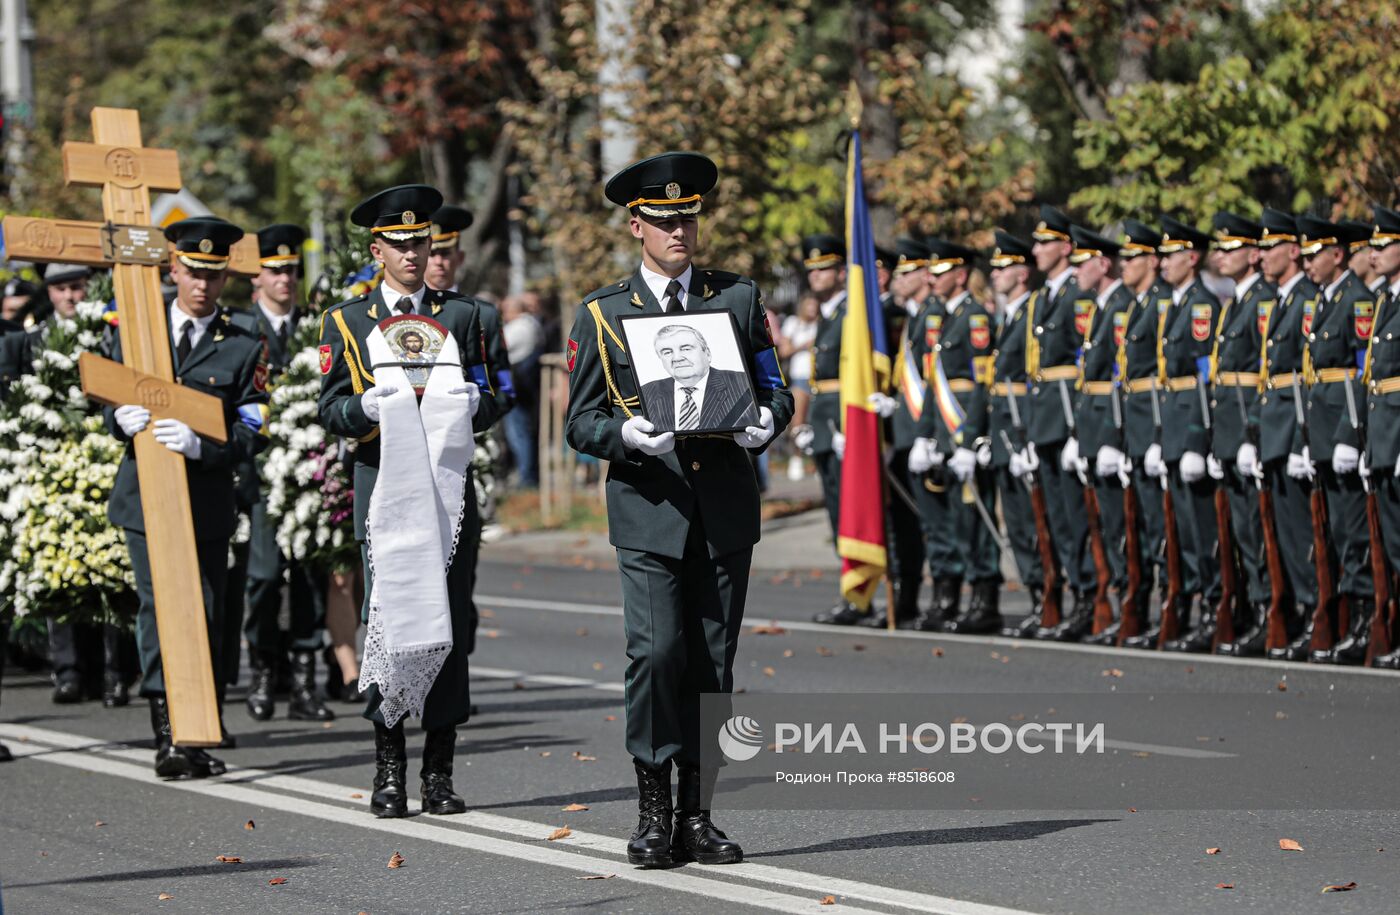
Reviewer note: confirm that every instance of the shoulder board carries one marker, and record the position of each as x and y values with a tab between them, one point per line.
338	305
724	276
608	290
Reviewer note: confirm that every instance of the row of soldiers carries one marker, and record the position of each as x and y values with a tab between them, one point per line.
1165	412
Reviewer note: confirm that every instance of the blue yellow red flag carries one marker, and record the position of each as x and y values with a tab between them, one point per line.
865	370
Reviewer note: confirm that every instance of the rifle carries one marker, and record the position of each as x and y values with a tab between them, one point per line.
1128	620
1229	579
1277	632
1050	580
1380	573
1103	610
1322	613
1171	623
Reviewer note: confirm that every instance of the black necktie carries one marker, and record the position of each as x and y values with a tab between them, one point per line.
283	332
182	349
406	305
673	297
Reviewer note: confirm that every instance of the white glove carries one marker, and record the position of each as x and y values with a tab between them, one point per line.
1214	468
1152	463
468	388
132	419
838	444
1024	462
1108	461
884	404
635	436
1247	462
963	463
921	455
802	438
984	454
1300	466
1345	459
1069	455
369	401
1125	471
756	436
178	437
1193	467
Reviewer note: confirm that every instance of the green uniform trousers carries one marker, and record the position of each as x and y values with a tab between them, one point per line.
213	572
1247	531
1293	524
1019	518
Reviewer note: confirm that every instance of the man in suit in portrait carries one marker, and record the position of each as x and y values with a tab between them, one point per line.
695	397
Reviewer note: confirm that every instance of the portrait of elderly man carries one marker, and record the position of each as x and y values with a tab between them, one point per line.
697	397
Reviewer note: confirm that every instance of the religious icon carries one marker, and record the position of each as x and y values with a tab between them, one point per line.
415	341
691	371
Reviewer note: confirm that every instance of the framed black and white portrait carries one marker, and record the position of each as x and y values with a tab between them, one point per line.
691	372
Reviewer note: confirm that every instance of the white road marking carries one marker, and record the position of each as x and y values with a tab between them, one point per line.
253	786
862	632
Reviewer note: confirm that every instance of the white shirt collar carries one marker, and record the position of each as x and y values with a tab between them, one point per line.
1332	286
1243	287
829	307
273	318
1377	283
178	320
1395	289
1015	305
958	300
1103	296
1287	287
657	283
1179	292
392	295
1057	282
914	306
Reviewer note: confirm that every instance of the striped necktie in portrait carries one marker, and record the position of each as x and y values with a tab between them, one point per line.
690	414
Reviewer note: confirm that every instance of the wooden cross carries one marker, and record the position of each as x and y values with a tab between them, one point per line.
127	172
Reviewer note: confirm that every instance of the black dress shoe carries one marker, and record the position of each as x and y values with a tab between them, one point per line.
304	704
983	615
1251	642
171	761
5	754
259	701
1390	661
1024	629
436	787
205	765
843	614
695	838
1297	649
650	843
1352	648
67	691
1109	635
390	799
1147	639
114	690
1197	640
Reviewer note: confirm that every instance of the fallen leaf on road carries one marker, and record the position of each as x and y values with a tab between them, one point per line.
486	614
1224	886
824	651
1018	717
1282	687
768	672
788	652
828	900
961	719
249	825
1289	845
609	717
229	859
938	652
563	832
857	647
1339	887
357	795
277	881
396	861
596	877
545	753
574	808
164	896
1112	672
328	725
518	685
1212	851
489	633
1132	810
772	628
582	758
581	631
1280	716
1142	754
597	665
99	823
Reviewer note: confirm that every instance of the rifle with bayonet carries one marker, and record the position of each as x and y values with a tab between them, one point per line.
1171	622
1277	631
1050	576
1322	565
1132	543
1380	570
1103	610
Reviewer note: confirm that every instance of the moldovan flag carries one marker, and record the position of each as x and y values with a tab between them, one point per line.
865	369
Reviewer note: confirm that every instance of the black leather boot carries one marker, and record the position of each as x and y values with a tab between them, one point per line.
943	609
650	844
1352	648
1301	630
67	688
304	704
260	702
983	616
171	761
1027	627
1200	637
1251	642
906	608
1075	625
114	689
695	837
843	614
436	788
390	798
5	754
1390	661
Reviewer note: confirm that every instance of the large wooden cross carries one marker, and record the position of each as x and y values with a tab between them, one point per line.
127	172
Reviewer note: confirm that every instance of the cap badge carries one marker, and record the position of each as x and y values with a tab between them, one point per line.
205	246
815	252
283	250
437	229
673	191
408	217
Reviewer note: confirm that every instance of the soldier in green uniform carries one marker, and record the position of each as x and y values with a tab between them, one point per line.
1006	379
954	426
14	353
349	406
1140	369
1382	380
1187	340
683	512
1099	420
276	317
1288	469
218	358
1336	349
1239	343
1057	317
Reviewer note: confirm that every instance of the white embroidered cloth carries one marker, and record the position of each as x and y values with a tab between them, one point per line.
425	451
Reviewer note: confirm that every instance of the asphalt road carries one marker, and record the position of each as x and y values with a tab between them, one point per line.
85	826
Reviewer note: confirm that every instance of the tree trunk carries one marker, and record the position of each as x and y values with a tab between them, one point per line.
879	128
1076	72
1135	46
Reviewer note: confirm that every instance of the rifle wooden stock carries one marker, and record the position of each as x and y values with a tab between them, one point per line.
1229	581
1050	582
1322	613
1103	610
1171	623
1380	577
1277	633
1128	627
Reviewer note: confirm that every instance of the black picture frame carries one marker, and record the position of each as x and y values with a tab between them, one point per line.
725	415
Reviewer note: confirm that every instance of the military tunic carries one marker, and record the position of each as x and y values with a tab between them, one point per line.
824	414
1382	378
345	328
1140	368
1007	379
684	523
14	353
907	388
